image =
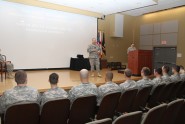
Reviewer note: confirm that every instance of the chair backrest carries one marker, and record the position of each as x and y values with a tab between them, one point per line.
102	121
82	110
126	101
180	117
141	98
55	112
154	115
130	118
175	89
166	92
172	111
24	113
181	90
154	99
108	105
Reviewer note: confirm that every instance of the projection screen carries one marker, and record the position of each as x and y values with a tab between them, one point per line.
39	38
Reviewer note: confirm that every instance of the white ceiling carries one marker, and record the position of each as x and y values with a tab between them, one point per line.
162	5
130	7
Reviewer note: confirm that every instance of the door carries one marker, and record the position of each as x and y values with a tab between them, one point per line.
164	56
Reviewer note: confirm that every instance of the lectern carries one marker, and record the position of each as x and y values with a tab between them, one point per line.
138	59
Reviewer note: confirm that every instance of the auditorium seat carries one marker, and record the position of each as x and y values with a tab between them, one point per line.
181	90
165	97
108	105
154	98
129	118
154	115
175	89
172	112
141	99
55	112
102	121
82	110
180	117
25	113
126	101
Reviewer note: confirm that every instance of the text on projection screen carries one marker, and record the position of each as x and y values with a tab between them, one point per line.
33	37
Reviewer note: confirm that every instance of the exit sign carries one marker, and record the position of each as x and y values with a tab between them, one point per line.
163	42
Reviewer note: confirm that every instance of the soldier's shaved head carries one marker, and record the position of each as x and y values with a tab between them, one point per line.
109	76
84	75
21	77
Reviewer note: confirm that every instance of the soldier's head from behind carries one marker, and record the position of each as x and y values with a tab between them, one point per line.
127	73
175	69
21	77
182	69
53	78
109	76
165	69
84	76
94	41
158	72
145	72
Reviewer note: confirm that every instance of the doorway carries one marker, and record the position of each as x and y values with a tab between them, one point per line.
164	56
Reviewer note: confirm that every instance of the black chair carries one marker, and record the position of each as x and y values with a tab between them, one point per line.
27	113
181	90
82	110
141	99
154	98
164	98
129	118
102	121
180	117
108	105
126	101
172	112
154	115
55	112
174	91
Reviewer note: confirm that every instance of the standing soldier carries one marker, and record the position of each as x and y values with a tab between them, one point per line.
94	52
131	48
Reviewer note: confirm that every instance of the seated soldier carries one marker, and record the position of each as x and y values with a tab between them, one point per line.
129	83
182	73
108	87
55	92
20	93
176	76
9	65
84	89
145	81
165	71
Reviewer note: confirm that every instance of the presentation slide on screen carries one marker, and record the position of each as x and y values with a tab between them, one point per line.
36	38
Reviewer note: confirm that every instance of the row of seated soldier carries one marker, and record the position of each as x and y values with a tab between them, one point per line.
23	93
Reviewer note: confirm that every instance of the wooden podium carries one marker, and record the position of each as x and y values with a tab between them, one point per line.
138	59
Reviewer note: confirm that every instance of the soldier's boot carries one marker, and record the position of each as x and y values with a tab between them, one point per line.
99	75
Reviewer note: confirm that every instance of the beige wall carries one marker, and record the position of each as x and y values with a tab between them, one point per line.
173	14
116	47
